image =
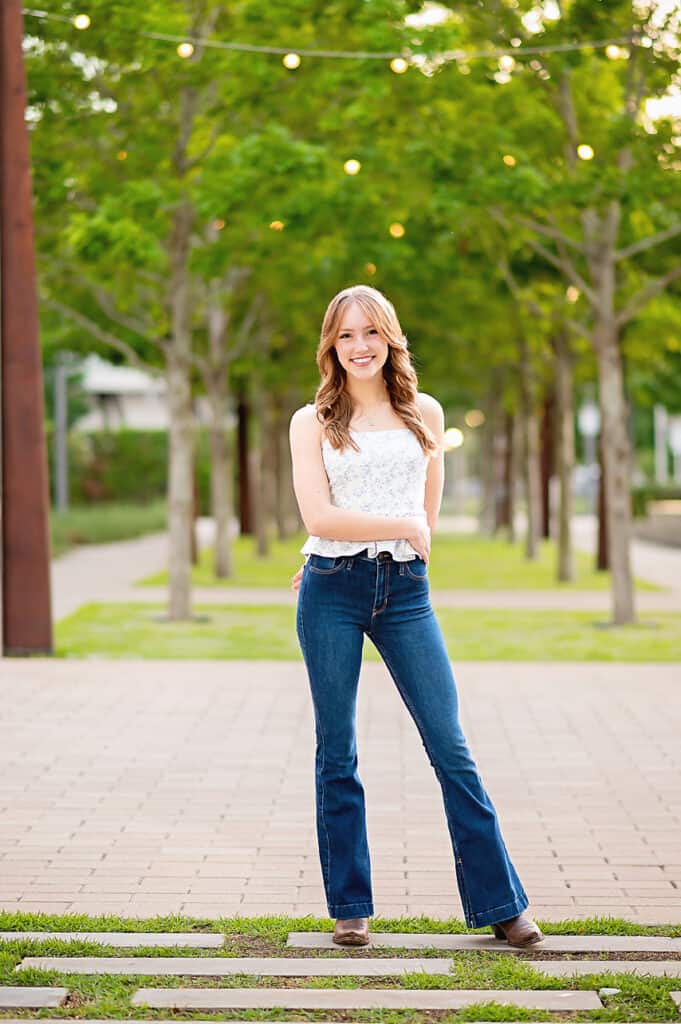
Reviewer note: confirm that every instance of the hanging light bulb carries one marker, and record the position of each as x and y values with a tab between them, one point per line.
351	166
82	21
399	65
185	50
291	61
396	229
585	152
509	160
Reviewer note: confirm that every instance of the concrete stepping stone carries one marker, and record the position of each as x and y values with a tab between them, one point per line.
572	968
487	943
30	997
225	966
129	940
359	999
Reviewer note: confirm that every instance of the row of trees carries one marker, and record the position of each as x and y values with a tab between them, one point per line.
194	216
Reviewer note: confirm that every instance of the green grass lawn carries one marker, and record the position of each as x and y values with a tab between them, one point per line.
268	632
639	998
458	562
99	524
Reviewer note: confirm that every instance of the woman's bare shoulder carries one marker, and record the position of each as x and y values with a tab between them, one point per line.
304	421
431	409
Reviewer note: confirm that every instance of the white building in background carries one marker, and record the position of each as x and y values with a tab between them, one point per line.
123	396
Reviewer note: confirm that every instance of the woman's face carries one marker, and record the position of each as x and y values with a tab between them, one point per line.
358	339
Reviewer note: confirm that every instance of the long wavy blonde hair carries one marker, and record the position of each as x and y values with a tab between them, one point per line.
332	400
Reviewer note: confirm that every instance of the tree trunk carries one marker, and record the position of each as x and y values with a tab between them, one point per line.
506	500
196	512
256	465
221	498
602	556
616	466
565	453
531	475
181	433
532	482
180	484
546	464
500	473
488	469
245	488
515	456
279	464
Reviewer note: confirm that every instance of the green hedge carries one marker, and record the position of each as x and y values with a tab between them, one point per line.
125	466
640	496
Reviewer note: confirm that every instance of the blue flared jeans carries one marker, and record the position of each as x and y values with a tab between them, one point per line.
340	599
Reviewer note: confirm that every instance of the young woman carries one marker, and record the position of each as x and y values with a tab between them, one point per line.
368	473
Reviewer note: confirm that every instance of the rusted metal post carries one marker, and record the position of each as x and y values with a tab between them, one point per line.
26	606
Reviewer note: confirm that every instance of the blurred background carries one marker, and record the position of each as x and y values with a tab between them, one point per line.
207	175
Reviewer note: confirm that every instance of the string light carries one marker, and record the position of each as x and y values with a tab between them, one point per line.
277	225
351	166
474	418
453	438
585	152
185	50
291	61
84	21
572	293
509	160
371	268
396	229
399	65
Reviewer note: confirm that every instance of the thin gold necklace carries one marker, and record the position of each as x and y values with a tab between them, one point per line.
370	421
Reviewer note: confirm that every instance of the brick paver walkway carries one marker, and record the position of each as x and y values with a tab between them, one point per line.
148	787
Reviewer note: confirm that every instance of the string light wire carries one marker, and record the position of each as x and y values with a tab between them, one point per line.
219	44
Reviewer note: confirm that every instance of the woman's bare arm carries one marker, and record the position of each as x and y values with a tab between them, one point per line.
433	414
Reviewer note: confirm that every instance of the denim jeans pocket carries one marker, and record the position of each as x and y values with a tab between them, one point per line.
326	564
416	569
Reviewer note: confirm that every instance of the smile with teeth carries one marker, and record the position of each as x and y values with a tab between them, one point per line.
362	360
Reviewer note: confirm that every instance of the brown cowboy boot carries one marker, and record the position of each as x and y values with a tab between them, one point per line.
351	931
518	931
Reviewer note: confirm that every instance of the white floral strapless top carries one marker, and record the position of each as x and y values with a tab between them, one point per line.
386	477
